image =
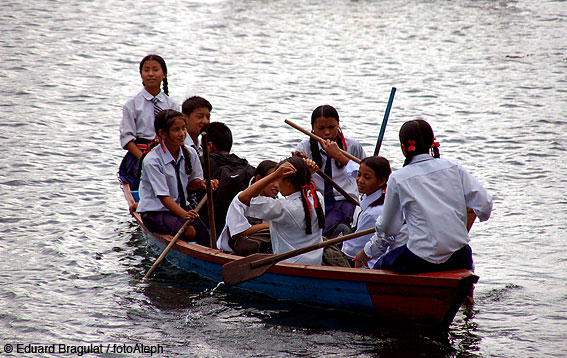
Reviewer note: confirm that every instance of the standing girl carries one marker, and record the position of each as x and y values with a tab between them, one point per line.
137	125
297	219
243	234
167	171
432	195
325	124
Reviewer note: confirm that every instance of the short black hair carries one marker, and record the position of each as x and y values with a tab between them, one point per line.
220	135
192	103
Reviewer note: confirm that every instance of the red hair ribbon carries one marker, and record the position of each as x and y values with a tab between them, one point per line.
435	142
411	147
342	136
311	187
161	143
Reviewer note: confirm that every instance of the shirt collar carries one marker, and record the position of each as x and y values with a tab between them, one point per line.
167	157
369	199
297	194
421	158
147	95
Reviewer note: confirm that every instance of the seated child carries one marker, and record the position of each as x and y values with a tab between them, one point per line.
166	173
431	194
325	124
232	172
245	235
297	219
197	113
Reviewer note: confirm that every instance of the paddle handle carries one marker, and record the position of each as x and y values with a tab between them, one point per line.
347	196
300	251
210	207
174	240
317	138
384	122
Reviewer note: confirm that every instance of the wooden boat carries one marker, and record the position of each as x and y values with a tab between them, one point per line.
428	299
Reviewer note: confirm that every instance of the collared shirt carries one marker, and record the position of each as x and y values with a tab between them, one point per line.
159	178
433	195
287	225
366	220
236	222
138	116
189	143
339	174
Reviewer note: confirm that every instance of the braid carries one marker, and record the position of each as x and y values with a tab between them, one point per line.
165	87
340	139
315	153
420	134
308	229
188	165
319	211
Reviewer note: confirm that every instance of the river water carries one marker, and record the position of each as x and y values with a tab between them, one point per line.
489	75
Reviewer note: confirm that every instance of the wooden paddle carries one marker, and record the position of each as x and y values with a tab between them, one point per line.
339	189
317	138
384	122
207	173
255	265
174	240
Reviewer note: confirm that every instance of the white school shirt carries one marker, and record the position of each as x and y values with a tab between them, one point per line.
339	175
138	116
236	222
159	179
366	220
433	195
287	225
380	244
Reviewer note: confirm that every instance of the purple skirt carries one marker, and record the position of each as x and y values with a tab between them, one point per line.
166	222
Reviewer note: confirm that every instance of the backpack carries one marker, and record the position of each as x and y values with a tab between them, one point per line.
234	175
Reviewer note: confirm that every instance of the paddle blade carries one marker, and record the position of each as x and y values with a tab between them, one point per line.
241	270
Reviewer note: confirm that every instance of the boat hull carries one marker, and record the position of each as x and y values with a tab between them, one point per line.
427	299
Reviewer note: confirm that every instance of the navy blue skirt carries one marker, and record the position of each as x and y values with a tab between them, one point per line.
402	260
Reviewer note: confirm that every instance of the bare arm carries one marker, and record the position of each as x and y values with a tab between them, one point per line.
133	149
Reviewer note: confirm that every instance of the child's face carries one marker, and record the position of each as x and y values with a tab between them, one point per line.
176	134
272	189
326	127
199	118
152	74
367	181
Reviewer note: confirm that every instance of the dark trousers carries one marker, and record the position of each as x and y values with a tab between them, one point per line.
402	260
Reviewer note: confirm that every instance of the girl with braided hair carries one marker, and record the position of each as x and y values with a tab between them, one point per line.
325	124
296	220
167	172
137	125
431	194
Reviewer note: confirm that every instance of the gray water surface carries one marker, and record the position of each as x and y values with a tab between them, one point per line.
490	77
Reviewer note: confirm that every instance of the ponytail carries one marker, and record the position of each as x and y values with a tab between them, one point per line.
417	137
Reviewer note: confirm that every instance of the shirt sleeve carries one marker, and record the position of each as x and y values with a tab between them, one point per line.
197	169
236	218
476	196
127	124
351	169
378	244
392	218
157	179
266	208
